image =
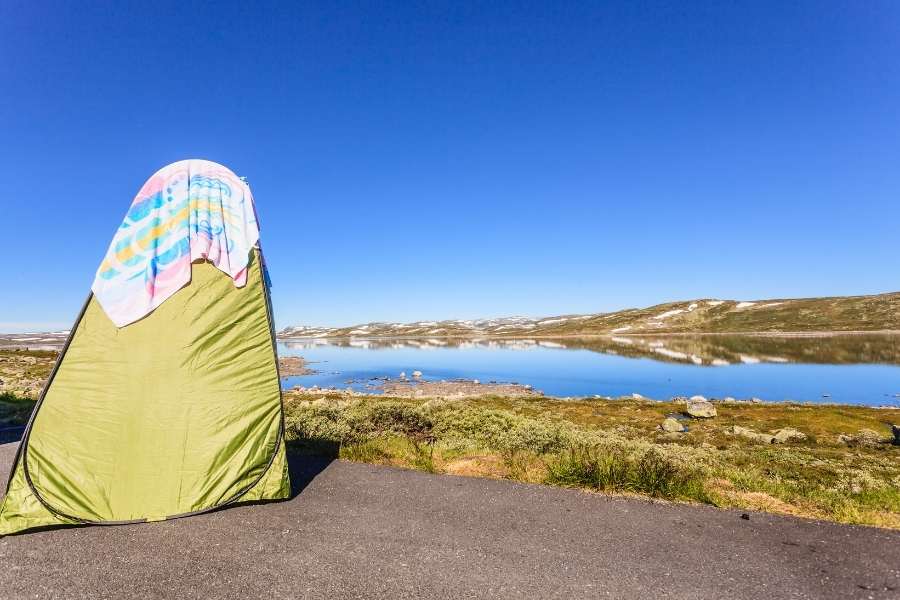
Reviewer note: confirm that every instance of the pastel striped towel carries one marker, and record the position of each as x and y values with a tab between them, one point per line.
187	211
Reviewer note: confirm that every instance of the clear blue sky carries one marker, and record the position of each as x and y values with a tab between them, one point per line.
455	160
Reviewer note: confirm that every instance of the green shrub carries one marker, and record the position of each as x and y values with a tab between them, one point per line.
611	469
367	452
14	410
655	475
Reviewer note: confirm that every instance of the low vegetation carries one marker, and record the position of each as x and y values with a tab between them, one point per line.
846	468
879	312
23	372
14	410
22	375
842	466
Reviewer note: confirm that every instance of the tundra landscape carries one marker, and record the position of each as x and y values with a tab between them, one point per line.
815	460
789	316
408	300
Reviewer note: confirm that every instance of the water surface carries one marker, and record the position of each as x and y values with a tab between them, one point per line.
850	369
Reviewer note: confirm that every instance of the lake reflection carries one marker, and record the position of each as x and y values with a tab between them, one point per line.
857	369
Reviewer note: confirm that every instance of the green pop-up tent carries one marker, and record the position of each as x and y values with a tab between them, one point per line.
165	400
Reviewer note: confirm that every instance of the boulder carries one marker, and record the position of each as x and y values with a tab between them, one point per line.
745	432
417	374
788	434
867	437
671	425
700	408
729	400
863	437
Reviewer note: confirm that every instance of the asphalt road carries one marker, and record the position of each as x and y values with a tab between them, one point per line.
361	531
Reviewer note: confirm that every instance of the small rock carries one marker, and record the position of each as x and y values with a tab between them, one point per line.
672	425
700	408
729	400
788	434
745	432
896	430
679	400
863	437
417	374
402	374
475	381
745	516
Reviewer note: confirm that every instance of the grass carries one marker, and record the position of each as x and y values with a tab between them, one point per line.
612	470
14	409
614	446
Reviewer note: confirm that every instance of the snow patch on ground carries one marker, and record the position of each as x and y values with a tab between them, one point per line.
744	304
715	302
668	313
516	326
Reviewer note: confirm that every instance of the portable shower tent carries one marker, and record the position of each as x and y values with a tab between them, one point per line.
165	400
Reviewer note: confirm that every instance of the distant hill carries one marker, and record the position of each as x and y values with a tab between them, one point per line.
844	313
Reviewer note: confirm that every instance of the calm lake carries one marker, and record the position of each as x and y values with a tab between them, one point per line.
849	369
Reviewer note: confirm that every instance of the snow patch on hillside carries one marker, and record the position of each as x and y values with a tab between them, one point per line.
667	314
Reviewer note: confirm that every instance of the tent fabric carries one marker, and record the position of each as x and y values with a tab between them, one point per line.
177	413
189	210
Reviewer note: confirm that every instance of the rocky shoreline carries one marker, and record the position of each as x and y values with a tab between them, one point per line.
293	366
